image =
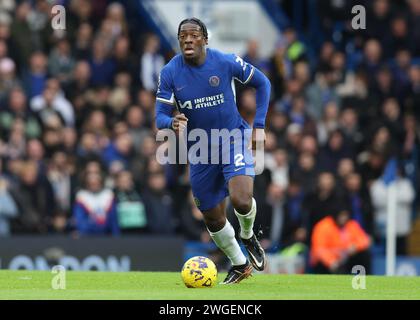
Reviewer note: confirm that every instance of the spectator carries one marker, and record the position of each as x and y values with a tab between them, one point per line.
321	92
398	38
118	150
103	68
338	244
158	204
325	55
405	198
349	126
119	97
335	150
35	79
295	222
379	17
293	139
328	123
53	100
324	201
299	115
63	181
35	152
115	14
135	119
8	78
361	209
83	41
22	34
94	210
308	144
305	172
8	208
76	91
281	68
296	49
61	62
372	59
401	73
345	167
124	60
414	19
18	109
391	116
151	63
278	166
253	57
35	199
413	98
130	207
384	87
16	143
80	12
372	168
277	163
278	126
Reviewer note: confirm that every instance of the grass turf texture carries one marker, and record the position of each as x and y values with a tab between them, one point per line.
169	286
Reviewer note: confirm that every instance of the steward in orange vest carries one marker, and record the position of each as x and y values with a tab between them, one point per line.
338	243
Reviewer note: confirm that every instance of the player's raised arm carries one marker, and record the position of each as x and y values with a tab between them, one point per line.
248	74
165	102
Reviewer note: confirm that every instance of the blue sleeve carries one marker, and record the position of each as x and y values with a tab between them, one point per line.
165	100
263	86
248	74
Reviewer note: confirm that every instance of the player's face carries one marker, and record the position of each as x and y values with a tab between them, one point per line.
191	41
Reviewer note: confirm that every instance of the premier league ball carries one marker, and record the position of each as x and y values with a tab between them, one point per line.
199	272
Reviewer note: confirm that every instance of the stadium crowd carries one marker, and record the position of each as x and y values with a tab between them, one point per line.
77	133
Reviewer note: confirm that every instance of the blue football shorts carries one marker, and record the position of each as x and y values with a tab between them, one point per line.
209	182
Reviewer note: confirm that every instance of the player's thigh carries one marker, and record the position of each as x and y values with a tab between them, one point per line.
237	159
208	186
241	185
240	192
239	174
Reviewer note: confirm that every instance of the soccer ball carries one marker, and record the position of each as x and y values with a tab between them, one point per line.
199	272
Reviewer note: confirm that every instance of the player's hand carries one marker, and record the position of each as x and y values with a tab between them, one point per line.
180	122
258	138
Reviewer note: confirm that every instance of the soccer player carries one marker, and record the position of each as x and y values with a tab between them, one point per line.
200	82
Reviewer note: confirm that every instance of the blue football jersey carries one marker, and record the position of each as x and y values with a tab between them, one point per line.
205	93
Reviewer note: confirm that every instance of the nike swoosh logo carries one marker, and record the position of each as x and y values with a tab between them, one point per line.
237	169
259	264
180	88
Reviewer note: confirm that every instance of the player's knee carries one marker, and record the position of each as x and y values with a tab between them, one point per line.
214	224
242	203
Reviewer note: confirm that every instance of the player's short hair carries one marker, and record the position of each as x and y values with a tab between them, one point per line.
197	22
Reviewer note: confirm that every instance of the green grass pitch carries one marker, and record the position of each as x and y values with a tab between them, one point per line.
168	286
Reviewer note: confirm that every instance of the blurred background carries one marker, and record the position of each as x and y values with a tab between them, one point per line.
79	182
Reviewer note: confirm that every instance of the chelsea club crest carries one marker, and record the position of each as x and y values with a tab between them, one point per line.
214	81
